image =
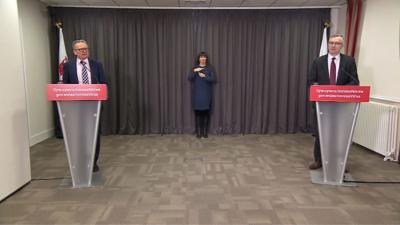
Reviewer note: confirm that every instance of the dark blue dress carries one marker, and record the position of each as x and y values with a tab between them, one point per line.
202	88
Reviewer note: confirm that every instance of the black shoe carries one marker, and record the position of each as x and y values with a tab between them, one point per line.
315	165
205	128
205	132
198	127
96	168
198	134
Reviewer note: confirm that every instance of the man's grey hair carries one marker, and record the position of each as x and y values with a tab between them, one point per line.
78	41
336	35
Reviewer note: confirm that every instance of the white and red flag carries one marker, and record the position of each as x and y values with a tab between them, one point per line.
62	56
324	43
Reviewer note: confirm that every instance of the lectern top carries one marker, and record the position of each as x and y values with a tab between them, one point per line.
339	93
76	92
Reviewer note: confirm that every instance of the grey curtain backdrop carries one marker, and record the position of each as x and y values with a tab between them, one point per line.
261	58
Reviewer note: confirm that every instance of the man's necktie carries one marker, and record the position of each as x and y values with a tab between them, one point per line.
85	77
332	74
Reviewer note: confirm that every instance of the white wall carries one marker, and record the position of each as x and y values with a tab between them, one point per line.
14	141
35	21
378	53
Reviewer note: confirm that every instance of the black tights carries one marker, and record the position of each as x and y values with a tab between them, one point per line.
202	122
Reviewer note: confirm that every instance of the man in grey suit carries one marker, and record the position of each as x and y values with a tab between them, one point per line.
331	69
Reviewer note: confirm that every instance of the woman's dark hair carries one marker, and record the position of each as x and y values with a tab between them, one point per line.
202	54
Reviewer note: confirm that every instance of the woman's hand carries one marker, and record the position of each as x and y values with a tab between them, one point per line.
198	69
202	75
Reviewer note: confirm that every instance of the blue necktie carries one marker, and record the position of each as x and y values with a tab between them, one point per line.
85	77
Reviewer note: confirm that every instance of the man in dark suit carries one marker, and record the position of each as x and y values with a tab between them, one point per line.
82	70
331	69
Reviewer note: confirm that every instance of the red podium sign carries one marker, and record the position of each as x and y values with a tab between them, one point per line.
76	92
339	93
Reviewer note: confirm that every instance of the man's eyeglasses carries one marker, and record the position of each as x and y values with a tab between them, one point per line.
81	49
335	43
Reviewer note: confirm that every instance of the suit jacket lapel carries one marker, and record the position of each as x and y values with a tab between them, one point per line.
93	71
325	66
74	71
340	73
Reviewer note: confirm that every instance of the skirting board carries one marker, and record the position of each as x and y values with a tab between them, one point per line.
39	137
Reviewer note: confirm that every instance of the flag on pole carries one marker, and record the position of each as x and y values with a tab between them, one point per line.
324	44
62	56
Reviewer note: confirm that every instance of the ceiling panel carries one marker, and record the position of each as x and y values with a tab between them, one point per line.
226	3
288	3
163	3
131	3
64	2
257	3
196	3
99	2
322	2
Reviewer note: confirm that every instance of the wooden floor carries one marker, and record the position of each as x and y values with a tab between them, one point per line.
178	179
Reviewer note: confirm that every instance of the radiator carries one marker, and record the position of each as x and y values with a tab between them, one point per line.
377	128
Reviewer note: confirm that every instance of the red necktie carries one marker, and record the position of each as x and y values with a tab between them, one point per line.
332	74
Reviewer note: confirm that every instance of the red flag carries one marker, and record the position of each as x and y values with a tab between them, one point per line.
62	57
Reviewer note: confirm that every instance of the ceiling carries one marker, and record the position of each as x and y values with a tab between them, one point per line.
197	3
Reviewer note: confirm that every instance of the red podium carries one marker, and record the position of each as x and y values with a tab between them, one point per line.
337	109
79	110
